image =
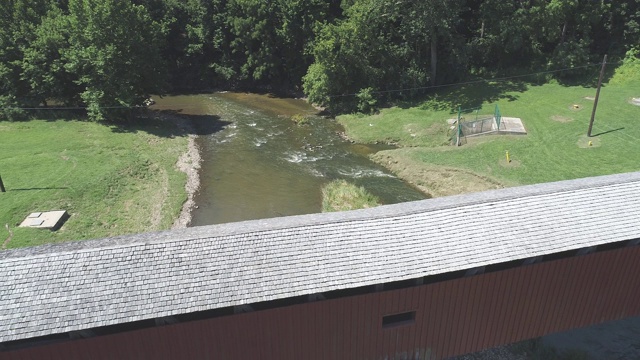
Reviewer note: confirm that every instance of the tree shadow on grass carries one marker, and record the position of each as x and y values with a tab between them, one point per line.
468	96
171	123
589	77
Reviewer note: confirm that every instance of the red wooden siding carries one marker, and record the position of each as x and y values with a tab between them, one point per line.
452	317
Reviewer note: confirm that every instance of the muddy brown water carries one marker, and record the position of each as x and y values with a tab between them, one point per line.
257	163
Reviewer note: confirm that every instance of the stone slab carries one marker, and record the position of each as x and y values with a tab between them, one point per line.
512	125
51	220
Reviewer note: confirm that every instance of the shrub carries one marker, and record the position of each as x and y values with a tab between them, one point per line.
340	195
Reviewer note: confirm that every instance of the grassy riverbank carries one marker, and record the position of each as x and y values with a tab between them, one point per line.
555	116
340	195
112	180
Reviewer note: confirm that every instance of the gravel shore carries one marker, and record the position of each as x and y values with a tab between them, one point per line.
189	163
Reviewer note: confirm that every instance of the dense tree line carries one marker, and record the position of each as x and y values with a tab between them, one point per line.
108	55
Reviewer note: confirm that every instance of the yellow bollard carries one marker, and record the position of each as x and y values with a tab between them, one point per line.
508	158
590	143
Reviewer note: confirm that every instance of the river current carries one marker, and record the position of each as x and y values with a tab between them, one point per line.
258	163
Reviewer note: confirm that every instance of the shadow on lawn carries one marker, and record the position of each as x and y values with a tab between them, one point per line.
589	77
608	131
171	123
469	96
39	188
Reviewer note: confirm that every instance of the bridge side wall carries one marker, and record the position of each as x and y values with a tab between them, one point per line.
452	317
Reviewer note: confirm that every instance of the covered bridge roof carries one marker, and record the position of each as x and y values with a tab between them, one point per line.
79	285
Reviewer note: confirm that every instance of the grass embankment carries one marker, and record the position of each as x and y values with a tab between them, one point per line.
555	147
111	180
340	195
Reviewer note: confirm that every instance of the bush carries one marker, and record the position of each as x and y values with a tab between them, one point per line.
366	101
300	119
9	109
340	195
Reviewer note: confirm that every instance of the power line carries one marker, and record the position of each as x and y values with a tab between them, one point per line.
72	107
341	95
477	81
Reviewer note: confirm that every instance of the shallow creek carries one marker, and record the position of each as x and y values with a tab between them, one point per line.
257	163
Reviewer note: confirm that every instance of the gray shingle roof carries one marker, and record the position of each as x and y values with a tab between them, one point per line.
78	285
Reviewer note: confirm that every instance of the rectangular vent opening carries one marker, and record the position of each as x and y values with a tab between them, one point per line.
405	318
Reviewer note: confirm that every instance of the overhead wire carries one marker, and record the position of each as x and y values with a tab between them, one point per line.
478	81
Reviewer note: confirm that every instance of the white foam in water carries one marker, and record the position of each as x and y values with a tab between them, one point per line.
260	142
295	157
275	134
360	173
227	138
252	124
298	157
316	172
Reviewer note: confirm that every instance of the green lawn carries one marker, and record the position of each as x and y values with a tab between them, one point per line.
555	147
111	180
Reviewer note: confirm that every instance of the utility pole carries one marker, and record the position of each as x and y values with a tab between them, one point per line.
595	102
2	189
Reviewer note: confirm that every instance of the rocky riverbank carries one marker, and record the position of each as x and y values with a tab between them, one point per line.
188	163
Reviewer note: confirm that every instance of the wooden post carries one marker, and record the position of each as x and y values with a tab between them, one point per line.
595	102
2	189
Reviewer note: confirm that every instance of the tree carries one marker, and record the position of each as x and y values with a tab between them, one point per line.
195	41
43	66
114	52
382	45
19	20
271	38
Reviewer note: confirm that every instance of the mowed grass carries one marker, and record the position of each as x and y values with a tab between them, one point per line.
555	147
111	180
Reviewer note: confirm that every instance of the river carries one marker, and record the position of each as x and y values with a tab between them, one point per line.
258	163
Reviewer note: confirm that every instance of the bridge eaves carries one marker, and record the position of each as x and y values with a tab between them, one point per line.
73	286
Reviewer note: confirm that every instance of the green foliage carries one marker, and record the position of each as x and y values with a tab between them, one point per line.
629	72
9	108
317	85
382	45
114	52
366	101
300	119
111	54
570	54
195	44
270	38
43	66
340	195
18	23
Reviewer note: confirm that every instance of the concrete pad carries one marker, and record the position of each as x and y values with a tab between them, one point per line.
51	220
511	125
